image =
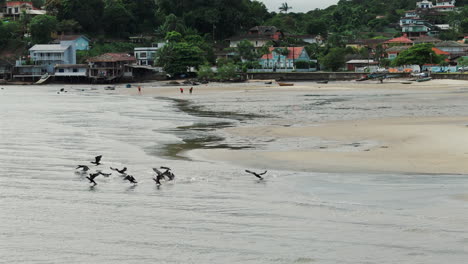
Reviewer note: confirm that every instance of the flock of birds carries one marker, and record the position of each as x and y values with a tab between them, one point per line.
167	174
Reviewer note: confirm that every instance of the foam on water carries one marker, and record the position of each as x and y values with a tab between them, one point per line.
213	212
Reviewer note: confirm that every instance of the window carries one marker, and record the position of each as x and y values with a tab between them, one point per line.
75	70
16	10
143	55
61	70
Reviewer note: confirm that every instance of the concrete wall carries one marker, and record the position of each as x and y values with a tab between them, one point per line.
452	76
314	76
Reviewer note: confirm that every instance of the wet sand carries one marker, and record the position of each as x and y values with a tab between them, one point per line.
419	143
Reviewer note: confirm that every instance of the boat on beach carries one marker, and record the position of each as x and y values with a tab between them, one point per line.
324	81
424	79
285	84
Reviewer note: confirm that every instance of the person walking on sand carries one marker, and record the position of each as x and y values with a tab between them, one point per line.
139	89
191	90
181	90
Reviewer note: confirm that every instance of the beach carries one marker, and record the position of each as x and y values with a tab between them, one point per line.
410	136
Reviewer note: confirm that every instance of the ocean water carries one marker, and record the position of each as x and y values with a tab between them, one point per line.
213	212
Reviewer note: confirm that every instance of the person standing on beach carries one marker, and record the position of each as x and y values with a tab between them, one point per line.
139	89
191	90
181	90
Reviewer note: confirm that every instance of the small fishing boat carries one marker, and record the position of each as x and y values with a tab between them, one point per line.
324	81
285	84
424	79
268	82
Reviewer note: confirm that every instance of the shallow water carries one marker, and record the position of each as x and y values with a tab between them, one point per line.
213	212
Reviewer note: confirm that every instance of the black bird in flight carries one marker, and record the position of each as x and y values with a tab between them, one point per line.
97	160
258	175
122	171
159	176
131	179
104	174
92	176
83	168
168	173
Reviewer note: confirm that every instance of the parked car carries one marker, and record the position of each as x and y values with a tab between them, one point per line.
463	68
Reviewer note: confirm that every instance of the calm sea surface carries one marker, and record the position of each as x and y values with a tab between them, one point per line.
212	212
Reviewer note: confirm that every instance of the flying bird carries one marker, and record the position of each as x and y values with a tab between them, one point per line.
92	176
170	176
258	175
97	160
83	168
131	179
122	171
159	176
104	174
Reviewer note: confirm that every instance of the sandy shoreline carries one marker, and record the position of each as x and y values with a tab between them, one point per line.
417	144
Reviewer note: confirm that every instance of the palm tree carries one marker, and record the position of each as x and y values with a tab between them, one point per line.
284	7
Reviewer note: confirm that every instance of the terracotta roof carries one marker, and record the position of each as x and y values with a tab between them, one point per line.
294	53
399	40
112	57
17	3
440	52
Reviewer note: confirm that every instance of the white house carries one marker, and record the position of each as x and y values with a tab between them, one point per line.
424	4
71	70
445	5
146	56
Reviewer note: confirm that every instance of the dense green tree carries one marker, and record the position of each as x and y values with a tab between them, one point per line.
116	16
42	27
178	55
38	3
88	13
418	54
334	60
69	26
220	18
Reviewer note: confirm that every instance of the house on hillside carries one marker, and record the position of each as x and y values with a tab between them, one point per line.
444	5
454	48
424	4
275	60
259	36
146	56
42	59
110	67
15	8
79	42
395	50
400	41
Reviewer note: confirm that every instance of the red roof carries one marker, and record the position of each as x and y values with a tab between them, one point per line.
399	40
17	3
294	53
112	57
451	6
440	52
